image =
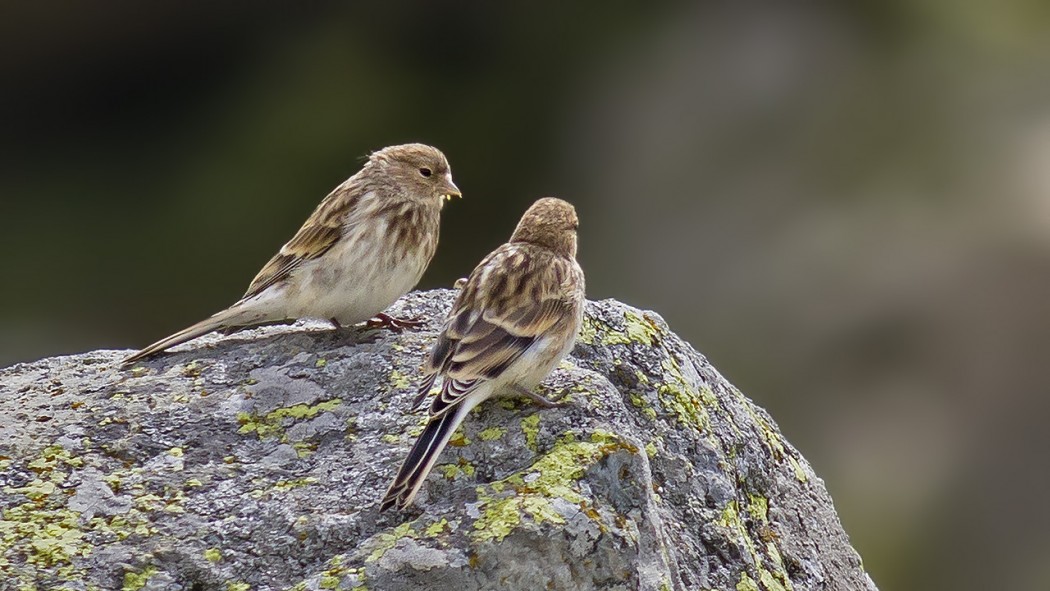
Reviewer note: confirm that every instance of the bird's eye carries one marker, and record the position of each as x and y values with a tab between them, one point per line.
425	171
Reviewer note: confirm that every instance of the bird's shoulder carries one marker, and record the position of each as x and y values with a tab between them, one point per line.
518	275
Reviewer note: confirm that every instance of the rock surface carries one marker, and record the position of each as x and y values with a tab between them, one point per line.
256	461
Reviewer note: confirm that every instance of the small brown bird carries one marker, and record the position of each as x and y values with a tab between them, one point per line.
365	245
515	318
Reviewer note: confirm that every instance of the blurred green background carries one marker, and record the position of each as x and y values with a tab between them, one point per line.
846	206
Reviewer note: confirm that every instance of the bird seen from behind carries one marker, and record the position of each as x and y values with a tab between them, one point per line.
516	317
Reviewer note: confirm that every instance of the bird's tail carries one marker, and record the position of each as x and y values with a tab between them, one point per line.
424	455
233	316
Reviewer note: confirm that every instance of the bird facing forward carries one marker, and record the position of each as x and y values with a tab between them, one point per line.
365	245
515	318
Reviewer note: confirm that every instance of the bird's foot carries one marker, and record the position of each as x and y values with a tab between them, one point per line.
395	324
540	400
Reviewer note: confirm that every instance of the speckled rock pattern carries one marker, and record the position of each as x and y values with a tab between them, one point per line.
256	461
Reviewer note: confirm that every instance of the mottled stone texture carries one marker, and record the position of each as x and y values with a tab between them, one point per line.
256	461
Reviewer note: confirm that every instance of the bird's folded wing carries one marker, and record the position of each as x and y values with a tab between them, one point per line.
317	235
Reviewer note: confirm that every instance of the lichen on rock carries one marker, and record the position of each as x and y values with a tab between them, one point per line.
256	461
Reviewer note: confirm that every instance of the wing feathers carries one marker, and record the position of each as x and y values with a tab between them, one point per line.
316	236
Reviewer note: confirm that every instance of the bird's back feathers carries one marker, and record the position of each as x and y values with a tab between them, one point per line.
509	325
514	296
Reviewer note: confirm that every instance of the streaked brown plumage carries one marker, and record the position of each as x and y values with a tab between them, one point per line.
366	244
515	318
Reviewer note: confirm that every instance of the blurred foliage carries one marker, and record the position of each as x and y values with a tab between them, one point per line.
845	205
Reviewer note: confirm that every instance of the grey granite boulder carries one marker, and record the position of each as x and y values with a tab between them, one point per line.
256	461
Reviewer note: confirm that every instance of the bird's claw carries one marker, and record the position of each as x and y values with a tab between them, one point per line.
543	401
395	324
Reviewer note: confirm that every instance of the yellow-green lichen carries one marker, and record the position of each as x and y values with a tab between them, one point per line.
501	516
681	400
192	369
42	533
770	582
281	486
334	576
273	423
237	586
771	437
530	426
800	474
458	439
637	329
686	402
492	433
452	471
730	519
213	555
588	331
134	581
417	429
399	381
650	449
169	500
304	448
746	583
436	528
772	573
758	507
554	475
638	402
321	362
385	541
286	485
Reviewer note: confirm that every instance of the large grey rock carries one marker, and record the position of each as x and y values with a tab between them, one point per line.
256	461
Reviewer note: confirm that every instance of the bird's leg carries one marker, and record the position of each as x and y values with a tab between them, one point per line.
382	320
540	400
335	323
